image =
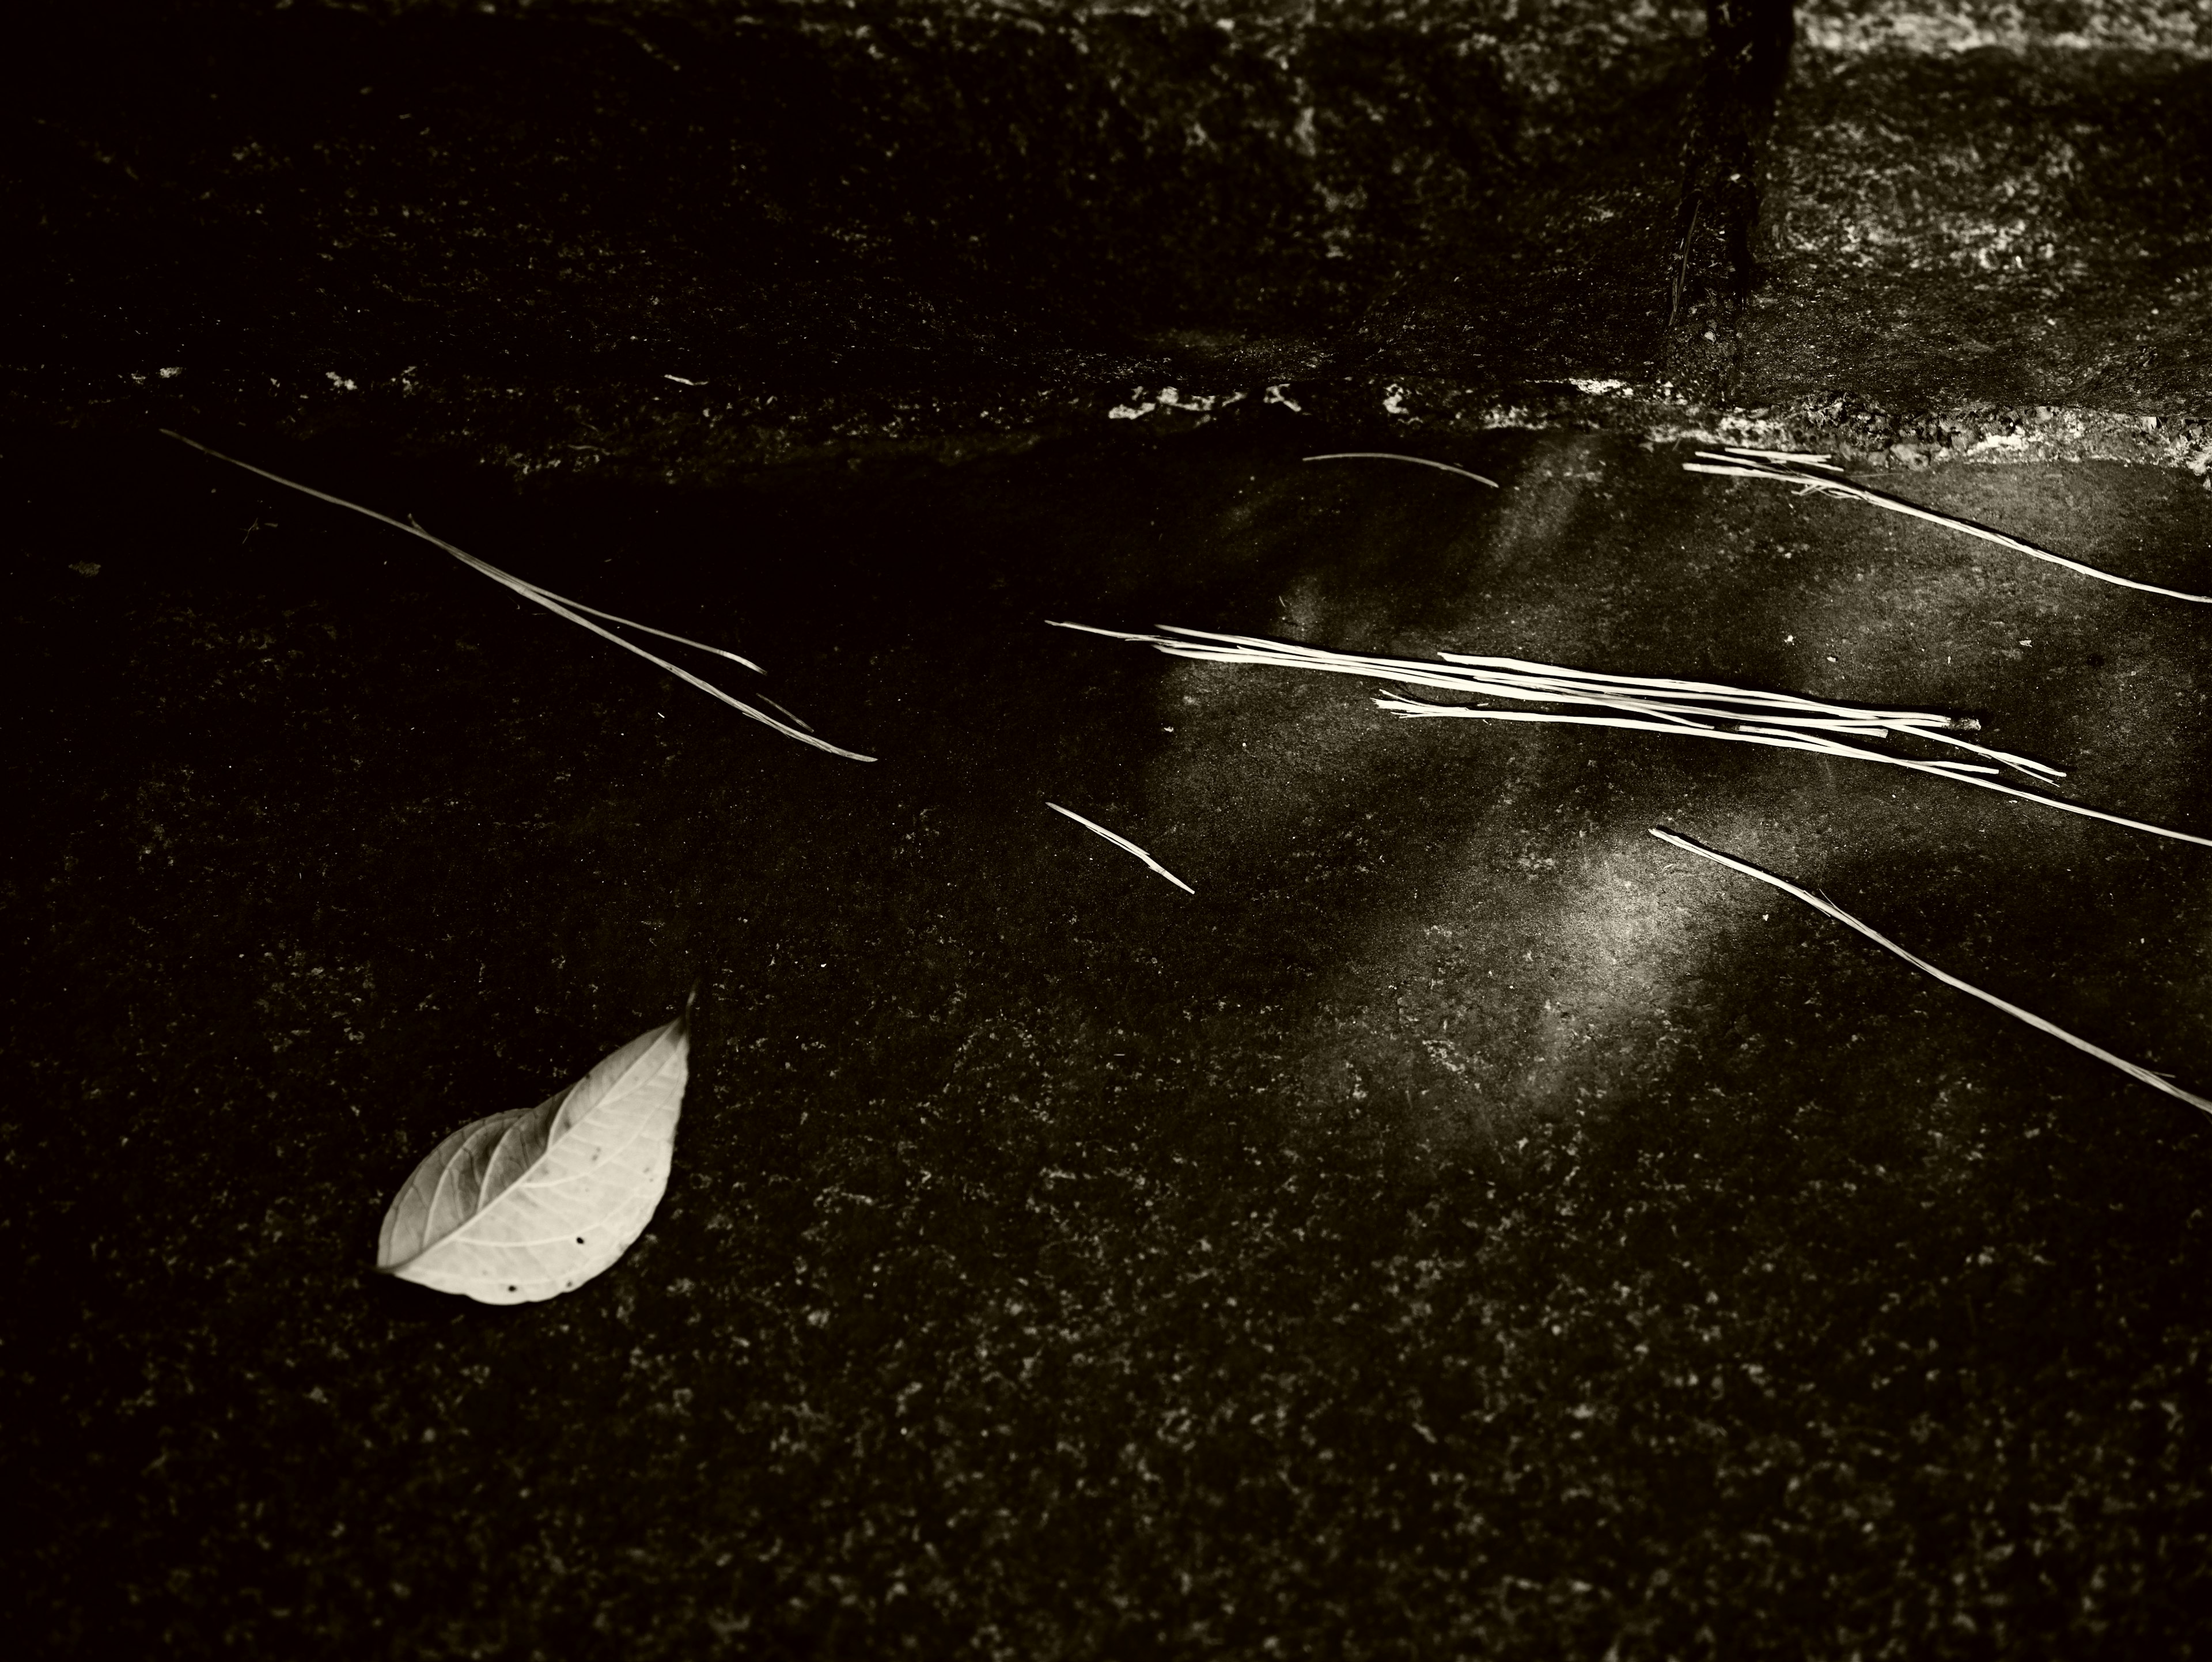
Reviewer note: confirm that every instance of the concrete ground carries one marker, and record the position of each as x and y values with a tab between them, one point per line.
1464	1226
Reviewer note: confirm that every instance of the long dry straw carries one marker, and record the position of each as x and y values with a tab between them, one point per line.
2156	1081
1818	475
1694	709
559	604
1392	455
1121	841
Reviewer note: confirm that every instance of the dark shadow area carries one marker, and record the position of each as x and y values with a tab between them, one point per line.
1718	217
447	205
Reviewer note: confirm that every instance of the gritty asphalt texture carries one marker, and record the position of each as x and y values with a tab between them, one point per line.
1465	1225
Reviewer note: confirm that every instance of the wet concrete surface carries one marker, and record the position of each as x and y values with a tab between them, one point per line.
1465	1225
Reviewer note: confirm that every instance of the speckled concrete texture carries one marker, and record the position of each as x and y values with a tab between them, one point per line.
1465	1225
1462	1225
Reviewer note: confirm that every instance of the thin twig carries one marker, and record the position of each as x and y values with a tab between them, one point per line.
1682	261
1121	841
1392	455
1784	467
545	598
2157	1081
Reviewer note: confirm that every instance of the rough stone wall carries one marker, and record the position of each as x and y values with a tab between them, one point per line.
672	239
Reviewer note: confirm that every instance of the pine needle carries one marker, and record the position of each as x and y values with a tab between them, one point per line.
1392	455
1791	467
800	720
1121	841
1694	709
2156	1081
554	603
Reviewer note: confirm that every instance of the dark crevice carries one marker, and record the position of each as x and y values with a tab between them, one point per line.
1747	46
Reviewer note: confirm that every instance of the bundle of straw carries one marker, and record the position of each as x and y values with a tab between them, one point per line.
1692	710
1816	474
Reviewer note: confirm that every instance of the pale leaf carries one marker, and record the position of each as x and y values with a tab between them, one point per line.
534	1202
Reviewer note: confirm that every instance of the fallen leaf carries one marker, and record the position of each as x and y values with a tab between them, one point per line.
534	1202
